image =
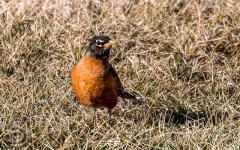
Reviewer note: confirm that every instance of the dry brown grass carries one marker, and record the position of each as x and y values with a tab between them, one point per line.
181	57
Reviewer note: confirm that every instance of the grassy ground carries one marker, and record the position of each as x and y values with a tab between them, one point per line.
181	57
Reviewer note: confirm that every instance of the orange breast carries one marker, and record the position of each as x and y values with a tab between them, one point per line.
92	84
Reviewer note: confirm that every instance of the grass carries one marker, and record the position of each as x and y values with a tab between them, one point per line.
180	57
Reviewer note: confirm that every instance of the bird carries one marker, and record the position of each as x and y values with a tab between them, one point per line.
94	81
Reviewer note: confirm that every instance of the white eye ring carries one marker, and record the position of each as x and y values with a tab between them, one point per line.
99	43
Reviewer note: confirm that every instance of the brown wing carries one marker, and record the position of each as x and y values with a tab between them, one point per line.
119	86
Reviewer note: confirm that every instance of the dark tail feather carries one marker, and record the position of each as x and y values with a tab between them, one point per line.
124	95
129	96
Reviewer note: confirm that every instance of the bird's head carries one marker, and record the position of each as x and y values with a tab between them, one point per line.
99	47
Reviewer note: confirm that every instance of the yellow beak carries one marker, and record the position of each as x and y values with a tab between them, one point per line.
110	43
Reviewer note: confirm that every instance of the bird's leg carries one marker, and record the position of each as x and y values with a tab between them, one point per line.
109	116
94	116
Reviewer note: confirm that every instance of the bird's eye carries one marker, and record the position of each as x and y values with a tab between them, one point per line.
99	43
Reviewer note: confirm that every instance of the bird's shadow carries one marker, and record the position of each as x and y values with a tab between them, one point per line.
170	116
142	112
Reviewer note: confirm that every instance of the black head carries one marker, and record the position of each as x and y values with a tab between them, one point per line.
99	47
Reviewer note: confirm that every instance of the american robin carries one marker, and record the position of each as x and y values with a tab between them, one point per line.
95	82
